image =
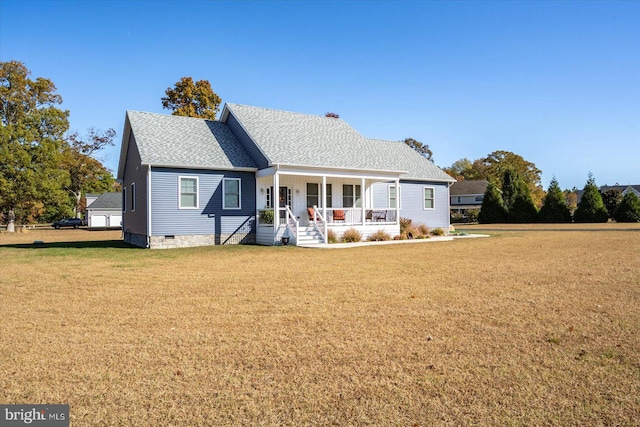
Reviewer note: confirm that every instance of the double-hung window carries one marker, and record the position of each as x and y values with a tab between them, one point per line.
188	192
351	196
231	193
429	197
394	196
313	194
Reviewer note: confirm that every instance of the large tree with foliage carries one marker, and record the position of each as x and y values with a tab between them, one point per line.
555	207
628	209
591	207
191	99
86	173
465	169
493	167
421	148
31	138
492	210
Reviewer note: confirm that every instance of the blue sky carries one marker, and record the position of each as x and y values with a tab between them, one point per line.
557	82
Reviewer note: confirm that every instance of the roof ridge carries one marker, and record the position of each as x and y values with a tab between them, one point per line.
232	104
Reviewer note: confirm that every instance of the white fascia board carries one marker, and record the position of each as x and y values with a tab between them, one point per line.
337	173
265	172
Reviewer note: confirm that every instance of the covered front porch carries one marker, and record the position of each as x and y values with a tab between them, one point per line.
305	204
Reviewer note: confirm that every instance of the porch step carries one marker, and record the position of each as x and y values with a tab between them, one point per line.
308	236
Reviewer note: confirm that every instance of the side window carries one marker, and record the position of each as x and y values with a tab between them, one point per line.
429	198
124	199
231	193
188	192
133	197
394	196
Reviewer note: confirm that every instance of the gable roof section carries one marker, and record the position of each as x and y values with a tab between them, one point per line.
185	142
297	139
468	187
399	156
107	201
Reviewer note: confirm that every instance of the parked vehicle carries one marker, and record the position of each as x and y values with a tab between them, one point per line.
67	222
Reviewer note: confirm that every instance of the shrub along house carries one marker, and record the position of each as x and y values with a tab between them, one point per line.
260	174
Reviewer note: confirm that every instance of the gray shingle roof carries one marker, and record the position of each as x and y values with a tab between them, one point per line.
188	142
309	140
467	187
107	201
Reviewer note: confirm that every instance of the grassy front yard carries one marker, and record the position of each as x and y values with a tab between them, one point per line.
524	328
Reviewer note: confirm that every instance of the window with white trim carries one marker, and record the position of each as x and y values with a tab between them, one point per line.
133	197
313	194
231	193
429	197
188	192
351	196
394	196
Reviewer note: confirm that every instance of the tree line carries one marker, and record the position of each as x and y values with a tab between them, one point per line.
44	168
512	203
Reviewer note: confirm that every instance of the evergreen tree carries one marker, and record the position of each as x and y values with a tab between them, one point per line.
628	209
591	207
555	207
522	208
492	210
509	190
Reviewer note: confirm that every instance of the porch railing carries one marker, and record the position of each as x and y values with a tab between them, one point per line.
292	224
318	220
353	216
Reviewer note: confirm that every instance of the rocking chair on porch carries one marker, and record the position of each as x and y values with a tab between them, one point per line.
310	213
338	215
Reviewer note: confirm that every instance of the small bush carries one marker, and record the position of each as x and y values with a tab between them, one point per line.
332	237
405	224
351	236
423	230
379	236
437	232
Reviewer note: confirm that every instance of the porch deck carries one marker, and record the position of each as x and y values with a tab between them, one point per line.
319	222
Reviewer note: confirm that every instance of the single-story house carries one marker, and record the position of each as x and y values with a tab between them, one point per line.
623	189
258	175
467	194
104	210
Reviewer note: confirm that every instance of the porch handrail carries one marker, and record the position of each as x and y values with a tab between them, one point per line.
292	222
316	215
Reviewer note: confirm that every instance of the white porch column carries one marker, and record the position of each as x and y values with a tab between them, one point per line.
363	197
275	201
398	201
324	197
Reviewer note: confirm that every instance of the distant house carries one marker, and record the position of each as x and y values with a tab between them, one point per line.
258	175
624	189
467	194
104	210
